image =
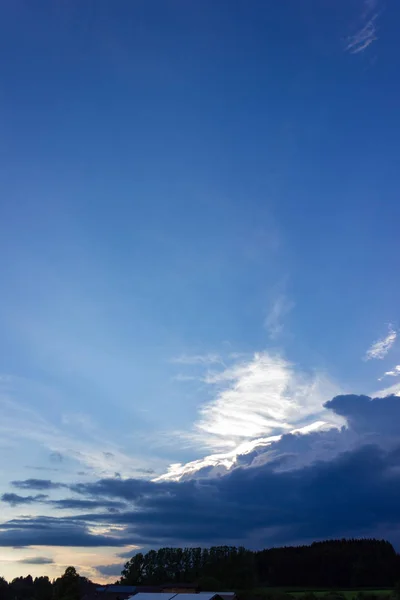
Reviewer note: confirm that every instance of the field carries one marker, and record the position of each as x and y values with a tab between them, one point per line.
319	593
349	594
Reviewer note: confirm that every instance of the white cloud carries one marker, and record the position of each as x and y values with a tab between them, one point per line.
273	322
265	395
218	464
381	347
393	389
395	372
255	401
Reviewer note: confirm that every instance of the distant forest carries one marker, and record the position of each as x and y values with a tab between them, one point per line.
336	564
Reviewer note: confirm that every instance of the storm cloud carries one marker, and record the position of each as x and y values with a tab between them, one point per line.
318	485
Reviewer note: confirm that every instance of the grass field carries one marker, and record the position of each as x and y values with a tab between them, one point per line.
319	593
349	594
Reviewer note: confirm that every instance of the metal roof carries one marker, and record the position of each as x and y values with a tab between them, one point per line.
204	596
155	596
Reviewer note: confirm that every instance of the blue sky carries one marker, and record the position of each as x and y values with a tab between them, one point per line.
199	249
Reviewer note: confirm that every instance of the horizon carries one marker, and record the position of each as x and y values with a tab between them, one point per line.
200	309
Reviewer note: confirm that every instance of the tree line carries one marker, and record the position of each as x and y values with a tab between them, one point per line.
337	564
70	586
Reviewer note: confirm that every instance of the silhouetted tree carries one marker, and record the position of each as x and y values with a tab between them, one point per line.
4	591
67	587
332	564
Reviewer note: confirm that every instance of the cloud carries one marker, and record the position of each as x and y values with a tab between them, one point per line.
261	396
35	468
56	457
16	500
395	372
79	504
389	391
127	553
363	38
65	503
49	531
198	359
110	570
366	32
37	560
283	491
288	491
37	484
255	399
367	416
274	320
20	421
381	347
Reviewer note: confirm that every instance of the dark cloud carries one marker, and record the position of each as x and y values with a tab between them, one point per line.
79	504
65	503
357	492
108	455
37	560
49	531
110	570
126	554
37	484
369	416
348	485
15	499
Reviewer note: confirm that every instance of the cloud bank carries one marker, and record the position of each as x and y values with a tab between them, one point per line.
320	484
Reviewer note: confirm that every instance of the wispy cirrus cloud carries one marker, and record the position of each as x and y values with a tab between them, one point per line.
381	347
366	33
363	38
198	359
263	395
77	436
274	319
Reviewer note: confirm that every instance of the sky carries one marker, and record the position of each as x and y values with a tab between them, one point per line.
199	250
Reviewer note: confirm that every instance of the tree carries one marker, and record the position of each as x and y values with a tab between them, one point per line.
132	573
4	591
67	587
43	589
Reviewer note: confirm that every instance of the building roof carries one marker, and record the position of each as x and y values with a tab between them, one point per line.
154	596
194	596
